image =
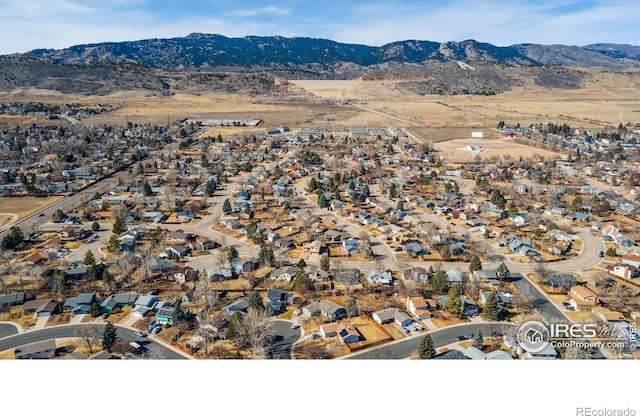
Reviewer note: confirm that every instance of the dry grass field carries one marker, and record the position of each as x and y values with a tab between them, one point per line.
25	205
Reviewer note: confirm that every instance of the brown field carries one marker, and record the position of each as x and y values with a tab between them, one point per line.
463	149
25	205
607	103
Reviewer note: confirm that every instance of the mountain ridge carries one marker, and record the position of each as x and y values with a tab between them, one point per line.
198	51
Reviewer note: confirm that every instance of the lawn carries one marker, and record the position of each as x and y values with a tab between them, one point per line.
445	319
394	331
369	332
17	315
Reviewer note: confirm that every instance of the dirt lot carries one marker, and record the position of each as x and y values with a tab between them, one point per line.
25	205
465	149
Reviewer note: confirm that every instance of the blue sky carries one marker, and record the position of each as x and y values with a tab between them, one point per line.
31	24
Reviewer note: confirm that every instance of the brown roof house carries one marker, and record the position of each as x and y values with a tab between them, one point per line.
42	307
583	297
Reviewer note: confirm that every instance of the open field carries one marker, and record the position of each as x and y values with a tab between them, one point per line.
25	205
609	102
467	149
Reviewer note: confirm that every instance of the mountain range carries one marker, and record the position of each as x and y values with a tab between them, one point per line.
200	51
257	65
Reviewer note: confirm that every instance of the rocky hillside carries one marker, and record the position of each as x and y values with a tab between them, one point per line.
206	51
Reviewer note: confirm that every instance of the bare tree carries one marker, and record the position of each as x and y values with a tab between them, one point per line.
91	335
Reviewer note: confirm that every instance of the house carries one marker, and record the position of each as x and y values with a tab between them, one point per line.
563	282
458	248
117	300
624	242
415	275
469	307
486	276
606	314
284	274
389	315
451	355
6	301
165	314
42	307
240	305
419	307
324	308
414	249
350	246
185	215
36	350
381	278
277	301
244	266
631	259
548	352
583	297
454	277
143	305
626	271
76	273
347	334
37	257
312	247
219	275
177	251
80	304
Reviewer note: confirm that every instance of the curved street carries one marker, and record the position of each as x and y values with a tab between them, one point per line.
155	349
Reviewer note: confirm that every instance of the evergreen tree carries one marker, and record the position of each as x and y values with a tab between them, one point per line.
178	314
491	309
365	191
255	301
322	201
453	302
89	258
94	310
400	205
119	225
324	263
426	351
475	264
146	189
301	264
439	282
13	240
393	190
226	206
259	237
232	254
210	188
95	226
478	340
503	271
352	307
251	229
109	336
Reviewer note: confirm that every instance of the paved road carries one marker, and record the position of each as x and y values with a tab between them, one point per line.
154	349
7	329
441	337
281	349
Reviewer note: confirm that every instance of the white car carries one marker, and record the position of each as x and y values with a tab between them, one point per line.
140	334
295	326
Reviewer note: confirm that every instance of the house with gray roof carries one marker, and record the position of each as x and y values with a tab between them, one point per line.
389	315
36	350
80	304
11	300
118	300
325	308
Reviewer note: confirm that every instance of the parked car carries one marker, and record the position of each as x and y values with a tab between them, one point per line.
156	329
105	315
140	334
405	330
417	326
601	254
462	337
315	335
295	326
